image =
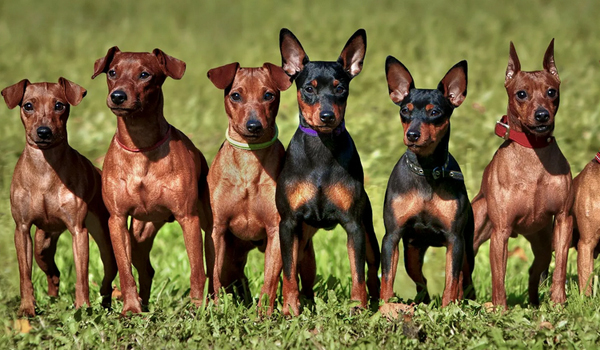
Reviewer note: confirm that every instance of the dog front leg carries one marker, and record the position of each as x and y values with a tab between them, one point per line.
273	266
121	243
498	260
192	236
24	248
289	229
563	232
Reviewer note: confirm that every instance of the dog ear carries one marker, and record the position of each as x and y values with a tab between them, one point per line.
399	80
73	92
454	84
549	64
279	76
13	95
101	64
172	66
222	77
293	57
514	66
354	52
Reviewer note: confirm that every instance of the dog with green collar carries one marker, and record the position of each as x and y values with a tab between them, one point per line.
243	178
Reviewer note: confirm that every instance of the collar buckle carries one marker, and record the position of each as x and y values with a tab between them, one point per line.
507	127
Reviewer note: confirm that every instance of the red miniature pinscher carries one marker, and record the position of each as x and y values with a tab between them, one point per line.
56	189
426	202
152	172
526	188
322	182
243	177
585	233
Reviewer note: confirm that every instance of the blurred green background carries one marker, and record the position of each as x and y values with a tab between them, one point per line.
43	40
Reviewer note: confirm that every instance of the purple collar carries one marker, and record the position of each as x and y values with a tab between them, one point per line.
336	132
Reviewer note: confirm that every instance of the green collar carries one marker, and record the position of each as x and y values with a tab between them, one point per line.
252	146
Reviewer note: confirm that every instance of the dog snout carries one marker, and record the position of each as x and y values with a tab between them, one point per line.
118	97
542	115
413	135
327	117
44	132
254	126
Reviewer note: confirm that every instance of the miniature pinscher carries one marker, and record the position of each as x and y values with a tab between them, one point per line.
322	182
426	203
585	232
526	188
243	177
56	189
152	172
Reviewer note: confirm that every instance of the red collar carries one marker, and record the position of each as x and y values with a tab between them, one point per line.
147	149
523	139
597	158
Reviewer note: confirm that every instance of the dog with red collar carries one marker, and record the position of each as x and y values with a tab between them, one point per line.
526	188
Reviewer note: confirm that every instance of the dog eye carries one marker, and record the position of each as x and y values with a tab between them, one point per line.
28	106
551	93
268	96
235	97
339	89
144	75
309	89
521	94
435	113
112	73
59	107
404	111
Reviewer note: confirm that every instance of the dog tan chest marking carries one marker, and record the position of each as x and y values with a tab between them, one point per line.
300	193
341	196
440	205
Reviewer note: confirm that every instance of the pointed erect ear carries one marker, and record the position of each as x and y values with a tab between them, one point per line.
454	84
399	80
223	76
549	64
13	95
171	66
293	57
279	76
514	66
73	92
101	65
353	54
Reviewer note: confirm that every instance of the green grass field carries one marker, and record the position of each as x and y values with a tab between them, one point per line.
43	40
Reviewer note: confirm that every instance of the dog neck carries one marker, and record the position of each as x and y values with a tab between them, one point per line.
142	134
509	128
252	146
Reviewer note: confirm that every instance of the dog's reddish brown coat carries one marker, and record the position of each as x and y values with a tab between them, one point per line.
151	187
585	208
55	188
527	191
242	183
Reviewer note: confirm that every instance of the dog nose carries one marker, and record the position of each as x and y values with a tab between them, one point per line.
413	136
542	115
44	132
254	126
327	117
118	97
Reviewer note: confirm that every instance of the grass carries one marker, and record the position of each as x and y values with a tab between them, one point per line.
44	40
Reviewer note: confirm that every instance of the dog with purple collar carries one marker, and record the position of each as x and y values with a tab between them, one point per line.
322	183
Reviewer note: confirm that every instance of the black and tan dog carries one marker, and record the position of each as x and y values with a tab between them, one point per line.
526	188
322	182
426	202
